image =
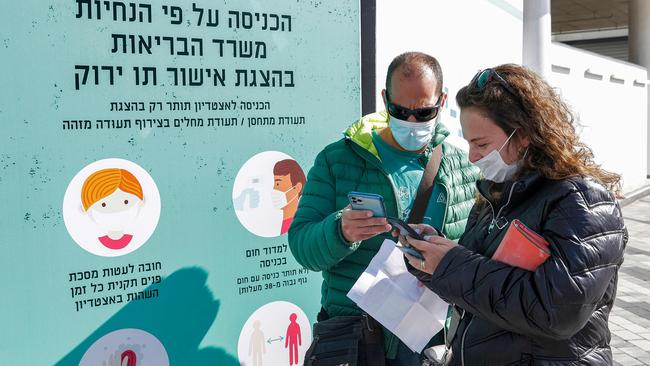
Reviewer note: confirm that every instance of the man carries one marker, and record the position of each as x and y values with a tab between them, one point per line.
383	153
288	181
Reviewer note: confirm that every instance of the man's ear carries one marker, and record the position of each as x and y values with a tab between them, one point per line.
443	96
383	96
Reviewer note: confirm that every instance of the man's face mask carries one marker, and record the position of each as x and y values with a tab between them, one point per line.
279	198
494	168
412	136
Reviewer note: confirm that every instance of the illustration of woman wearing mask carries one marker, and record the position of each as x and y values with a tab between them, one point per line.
289	180
112	198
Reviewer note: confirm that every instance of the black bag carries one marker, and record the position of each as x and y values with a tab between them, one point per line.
346	340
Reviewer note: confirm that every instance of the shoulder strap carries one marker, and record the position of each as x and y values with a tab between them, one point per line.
426	186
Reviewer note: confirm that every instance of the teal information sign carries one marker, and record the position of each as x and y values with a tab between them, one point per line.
152	159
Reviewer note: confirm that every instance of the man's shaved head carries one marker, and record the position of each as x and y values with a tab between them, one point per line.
414	64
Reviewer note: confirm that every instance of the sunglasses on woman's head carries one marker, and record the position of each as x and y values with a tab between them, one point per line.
484	76
420	114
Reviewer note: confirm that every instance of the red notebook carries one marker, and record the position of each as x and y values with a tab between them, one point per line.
522	247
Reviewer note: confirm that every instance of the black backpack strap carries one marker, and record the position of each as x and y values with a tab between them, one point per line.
426	187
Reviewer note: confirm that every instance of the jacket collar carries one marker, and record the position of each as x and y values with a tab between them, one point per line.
520	187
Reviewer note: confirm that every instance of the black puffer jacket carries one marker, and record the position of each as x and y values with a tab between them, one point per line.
556	315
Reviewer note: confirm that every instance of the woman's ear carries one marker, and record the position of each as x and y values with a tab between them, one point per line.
524	141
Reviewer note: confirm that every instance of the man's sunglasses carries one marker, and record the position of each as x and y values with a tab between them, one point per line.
420	114
484	76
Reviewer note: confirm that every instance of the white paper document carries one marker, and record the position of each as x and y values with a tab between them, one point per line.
396	299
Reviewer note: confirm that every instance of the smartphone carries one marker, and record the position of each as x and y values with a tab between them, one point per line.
368	201
404	228
410	250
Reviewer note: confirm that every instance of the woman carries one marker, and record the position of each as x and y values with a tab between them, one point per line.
535	170
112	198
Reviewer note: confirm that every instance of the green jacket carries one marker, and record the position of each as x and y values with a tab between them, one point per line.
353	164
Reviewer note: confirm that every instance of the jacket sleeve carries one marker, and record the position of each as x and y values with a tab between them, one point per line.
586	241
315	237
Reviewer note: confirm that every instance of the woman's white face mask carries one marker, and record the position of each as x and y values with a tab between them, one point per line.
116	212
494	168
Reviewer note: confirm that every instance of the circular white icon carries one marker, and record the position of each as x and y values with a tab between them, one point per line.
266	193
277	333
111	207
126	347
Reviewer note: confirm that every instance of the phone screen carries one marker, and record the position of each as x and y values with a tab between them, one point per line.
404	228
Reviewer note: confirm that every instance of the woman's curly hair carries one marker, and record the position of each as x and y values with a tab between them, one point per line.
540	114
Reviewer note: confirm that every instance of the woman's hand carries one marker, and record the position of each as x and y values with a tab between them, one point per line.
433	249
423	229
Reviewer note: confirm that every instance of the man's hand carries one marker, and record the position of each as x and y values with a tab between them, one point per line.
360	225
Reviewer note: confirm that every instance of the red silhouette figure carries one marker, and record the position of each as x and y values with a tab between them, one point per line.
129	355
293	339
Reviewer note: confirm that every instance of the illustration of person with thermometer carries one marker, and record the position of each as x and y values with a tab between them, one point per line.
288	181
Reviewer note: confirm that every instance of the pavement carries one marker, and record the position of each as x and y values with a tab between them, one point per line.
629	321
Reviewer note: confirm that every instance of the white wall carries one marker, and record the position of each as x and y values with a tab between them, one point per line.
612	112
468	35
464	35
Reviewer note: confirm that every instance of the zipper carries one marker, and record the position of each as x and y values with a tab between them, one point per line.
491	208
494	220
512	189
496	217
462	343
396	197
